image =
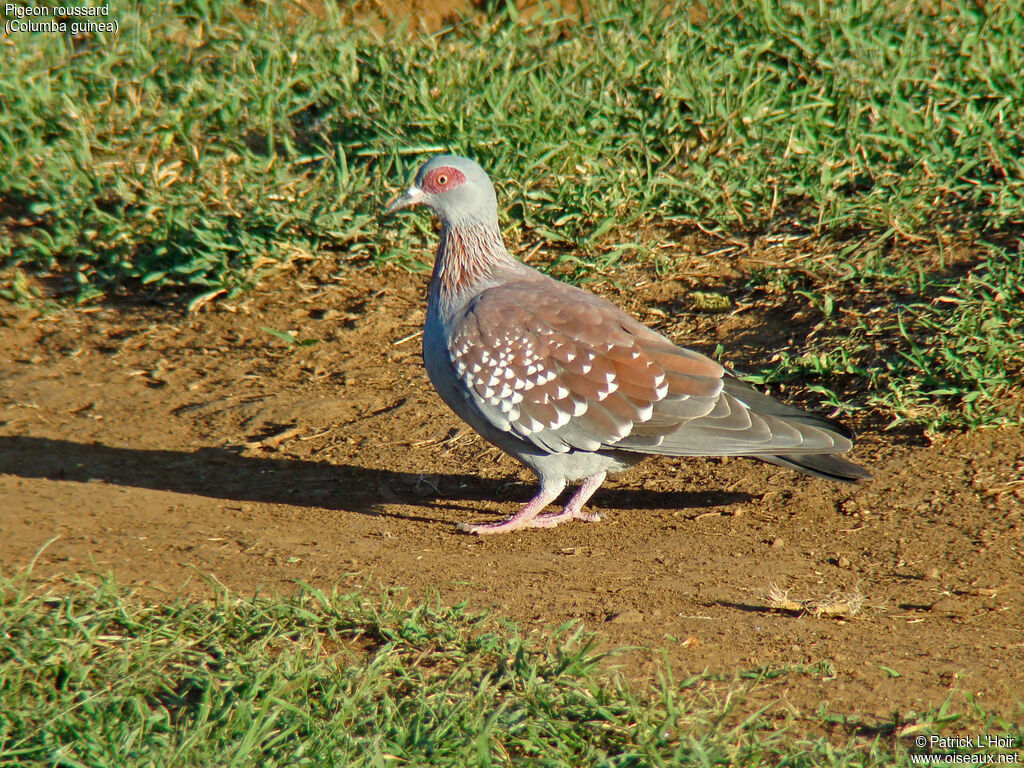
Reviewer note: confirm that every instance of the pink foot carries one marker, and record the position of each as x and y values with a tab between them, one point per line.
573	510
520	519
529	516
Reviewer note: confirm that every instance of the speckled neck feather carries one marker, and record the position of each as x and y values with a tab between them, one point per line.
465	256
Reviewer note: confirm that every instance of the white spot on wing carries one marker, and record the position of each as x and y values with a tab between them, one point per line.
529	425
561	419
612	386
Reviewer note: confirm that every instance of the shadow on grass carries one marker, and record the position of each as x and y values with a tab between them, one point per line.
224	474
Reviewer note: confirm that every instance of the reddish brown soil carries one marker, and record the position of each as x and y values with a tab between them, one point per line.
158	446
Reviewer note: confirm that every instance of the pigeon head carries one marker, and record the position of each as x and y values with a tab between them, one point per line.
456	189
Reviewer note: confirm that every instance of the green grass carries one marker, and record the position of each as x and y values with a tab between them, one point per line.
211	140
91	675
947	354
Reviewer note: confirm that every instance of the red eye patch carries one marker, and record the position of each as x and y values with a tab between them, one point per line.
441	180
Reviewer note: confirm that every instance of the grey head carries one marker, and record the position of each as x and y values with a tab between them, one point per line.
456	189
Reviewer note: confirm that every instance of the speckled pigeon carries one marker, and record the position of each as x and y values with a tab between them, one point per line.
569	384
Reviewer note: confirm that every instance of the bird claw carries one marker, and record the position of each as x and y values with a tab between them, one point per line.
541	521
554	518
502	526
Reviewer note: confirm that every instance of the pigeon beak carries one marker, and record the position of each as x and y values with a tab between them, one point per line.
411	196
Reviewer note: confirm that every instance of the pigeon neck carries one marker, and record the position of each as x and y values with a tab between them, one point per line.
466	255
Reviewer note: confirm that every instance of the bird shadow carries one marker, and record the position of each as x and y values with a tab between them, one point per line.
225	474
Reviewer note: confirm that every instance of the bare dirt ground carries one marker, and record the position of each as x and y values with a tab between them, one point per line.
157	446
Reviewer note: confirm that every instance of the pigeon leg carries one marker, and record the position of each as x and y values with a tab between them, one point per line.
523	517
573	510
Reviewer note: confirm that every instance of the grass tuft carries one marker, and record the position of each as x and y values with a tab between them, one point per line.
836	605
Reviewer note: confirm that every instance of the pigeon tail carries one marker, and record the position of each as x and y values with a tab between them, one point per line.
827	466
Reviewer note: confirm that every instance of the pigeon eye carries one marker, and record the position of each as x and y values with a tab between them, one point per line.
442	179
